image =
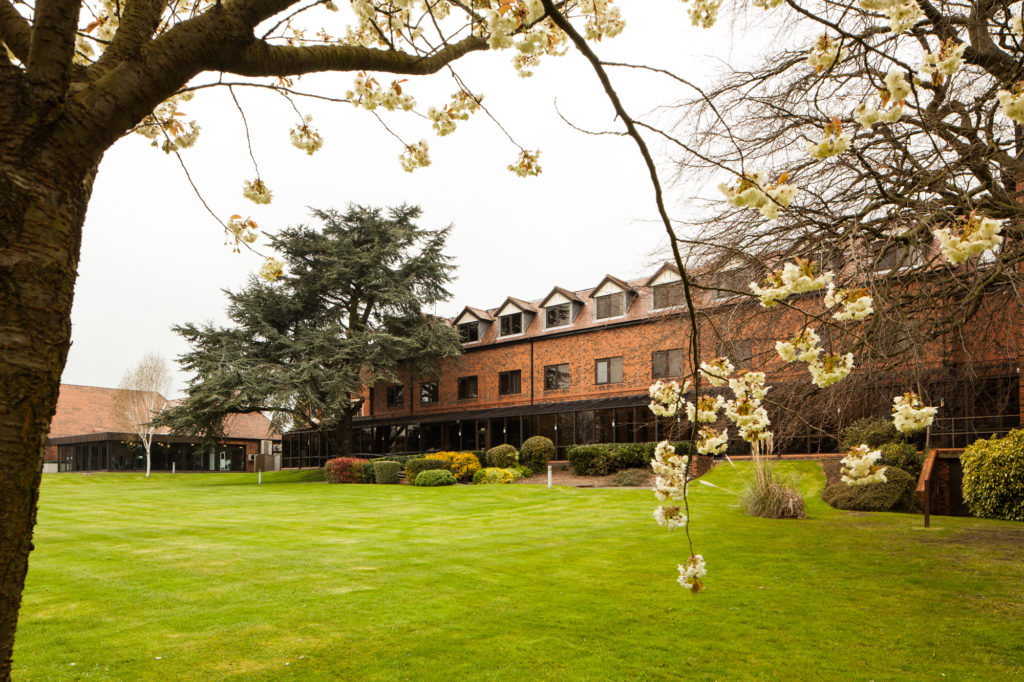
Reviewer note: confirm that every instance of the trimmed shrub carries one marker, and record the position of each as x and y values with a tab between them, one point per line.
386	471
631	478
994	477
599	459
536	452
494	475
871	431
434	477
903	456
589	460
502	456
414	467
481	456
896	494
343	470
462	464
522	472
368	476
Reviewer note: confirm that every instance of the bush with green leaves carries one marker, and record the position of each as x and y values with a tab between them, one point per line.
502	456
630	478
993	480
494	475
431	478
871	431
368	476
536	452
414	467
902	456
896	494
343	470
600	459
521	471
386	471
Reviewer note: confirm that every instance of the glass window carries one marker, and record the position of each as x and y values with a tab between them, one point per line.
611	305
608	371
429	392
510	382
667	295
556	377
396	395
511	324
729	283
667	363
557	315
469	332
738	352
467	388
892	257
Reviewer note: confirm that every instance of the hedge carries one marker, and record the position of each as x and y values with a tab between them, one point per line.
343	470
368	475
434	477
600	459
871	431
896	494
993	481
494	475
386	471
903	456
414	467
536	452
462	464
502	456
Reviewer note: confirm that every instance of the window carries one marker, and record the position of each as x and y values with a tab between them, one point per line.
469	332
894	257
510	382
556	316
396	395
612	305
728	282
667	363
667	295
738	352
428	392
467	388
511	324
556	377
608	371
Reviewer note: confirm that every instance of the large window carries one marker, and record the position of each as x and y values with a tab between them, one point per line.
467	388
738	351
667	295
429	392
469	332
608	371
396	395
667	363
556	377
510	382
729	283
893	257
612	305
557	315
510	324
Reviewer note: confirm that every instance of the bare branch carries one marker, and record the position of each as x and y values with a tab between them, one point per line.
15	31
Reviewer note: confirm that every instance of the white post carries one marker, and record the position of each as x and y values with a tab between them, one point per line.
174	466
259	477
549	477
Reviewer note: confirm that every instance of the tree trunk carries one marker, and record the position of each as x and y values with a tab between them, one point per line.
43	198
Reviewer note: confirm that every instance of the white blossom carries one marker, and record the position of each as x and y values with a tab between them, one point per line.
803	346
526	165
717	371
711	441
975	235
667	397
795	278
753	192
824	53
859	467
1012	104
706	409
305	137
257	192
896	85
856	304
704	13
670	517
271	269
691	572
415	156
909	414
868	116
830	369
944	63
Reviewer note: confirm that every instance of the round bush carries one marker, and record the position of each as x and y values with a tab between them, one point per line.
492	475
343	470
896	494
434	477
536	452
903	456
386	471
462	464
994	477
502	456
414	467
870	431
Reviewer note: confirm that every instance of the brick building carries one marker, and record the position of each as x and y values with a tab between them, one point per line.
85	435
575	366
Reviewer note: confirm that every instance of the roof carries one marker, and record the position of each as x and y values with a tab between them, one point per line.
519	303
83	410
564	292
622	284
657	273
477	313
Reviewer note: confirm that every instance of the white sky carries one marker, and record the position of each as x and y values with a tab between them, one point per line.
153	257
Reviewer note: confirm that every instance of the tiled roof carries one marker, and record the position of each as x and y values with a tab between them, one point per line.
83	410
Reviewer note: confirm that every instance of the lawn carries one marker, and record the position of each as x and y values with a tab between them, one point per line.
209	576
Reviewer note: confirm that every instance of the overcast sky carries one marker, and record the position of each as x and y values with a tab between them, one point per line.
153	257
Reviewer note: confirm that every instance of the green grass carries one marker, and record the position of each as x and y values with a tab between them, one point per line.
211	577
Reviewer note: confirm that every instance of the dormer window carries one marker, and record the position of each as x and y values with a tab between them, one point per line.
611	305
469	332
895	257
510	324
668	295
557	315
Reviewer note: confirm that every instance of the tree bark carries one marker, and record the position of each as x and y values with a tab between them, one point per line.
43	196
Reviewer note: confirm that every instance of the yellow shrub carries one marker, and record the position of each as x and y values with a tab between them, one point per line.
462	464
